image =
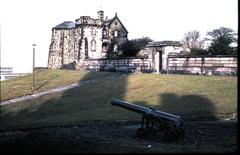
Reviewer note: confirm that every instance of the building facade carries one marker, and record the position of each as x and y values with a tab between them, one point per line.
6	73
86	39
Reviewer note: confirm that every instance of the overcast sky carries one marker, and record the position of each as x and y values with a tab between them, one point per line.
24	22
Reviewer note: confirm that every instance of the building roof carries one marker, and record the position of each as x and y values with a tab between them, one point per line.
109	22
70	24
65	25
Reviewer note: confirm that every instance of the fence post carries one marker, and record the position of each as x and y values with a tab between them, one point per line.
167	64
202	65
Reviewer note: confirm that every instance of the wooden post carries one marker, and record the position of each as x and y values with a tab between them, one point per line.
33	71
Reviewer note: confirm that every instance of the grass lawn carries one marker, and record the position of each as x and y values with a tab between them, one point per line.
190	96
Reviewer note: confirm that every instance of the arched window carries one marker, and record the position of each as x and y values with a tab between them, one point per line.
79	42
115	33
93	45
86	48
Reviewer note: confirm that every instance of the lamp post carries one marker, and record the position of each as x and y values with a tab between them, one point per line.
33	72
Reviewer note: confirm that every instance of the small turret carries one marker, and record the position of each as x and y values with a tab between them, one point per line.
101	15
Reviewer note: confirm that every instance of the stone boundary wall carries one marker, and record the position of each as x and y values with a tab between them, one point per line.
118	65
203	65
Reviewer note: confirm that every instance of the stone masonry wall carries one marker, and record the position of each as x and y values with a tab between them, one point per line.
118	65
203	65
68	43
68	46
55	57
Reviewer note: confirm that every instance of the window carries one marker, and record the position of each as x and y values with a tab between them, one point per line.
93	45
115	33
105	32
104	47
115	48
93	31
75	45
116	23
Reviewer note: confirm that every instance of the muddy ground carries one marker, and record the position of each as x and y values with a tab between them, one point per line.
119	137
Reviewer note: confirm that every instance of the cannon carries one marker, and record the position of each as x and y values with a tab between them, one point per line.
155	123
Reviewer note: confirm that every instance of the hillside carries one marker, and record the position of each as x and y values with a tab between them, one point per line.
193	97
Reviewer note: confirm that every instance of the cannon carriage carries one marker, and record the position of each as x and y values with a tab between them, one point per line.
155	123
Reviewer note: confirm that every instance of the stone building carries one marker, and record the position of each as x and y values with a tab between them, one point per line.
86	39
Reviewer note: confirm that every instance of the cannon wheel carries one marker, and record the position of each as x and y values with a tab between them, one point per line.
181	133
173	134
143	133
169	135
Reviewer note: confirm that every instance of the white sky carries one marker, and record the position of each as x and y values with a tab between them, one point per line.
24	22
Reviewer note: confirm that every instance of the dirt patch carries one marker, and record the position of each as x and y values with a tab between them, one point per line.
119	137
137	87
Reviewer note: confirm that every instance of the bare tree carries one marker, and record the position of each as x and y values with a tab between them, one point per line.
192	40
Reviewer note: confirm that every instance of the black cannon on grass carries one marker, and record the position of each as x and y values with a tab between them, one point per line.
155	123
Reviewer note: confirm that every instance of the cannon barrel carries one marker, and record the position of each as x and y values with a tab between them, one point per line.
157	114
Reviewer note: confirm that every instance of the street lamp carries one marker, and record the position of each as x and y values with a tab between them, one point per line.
33	72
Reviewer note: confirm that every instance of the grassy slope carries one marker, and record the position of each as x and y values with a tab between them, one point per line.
189	96
45	79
